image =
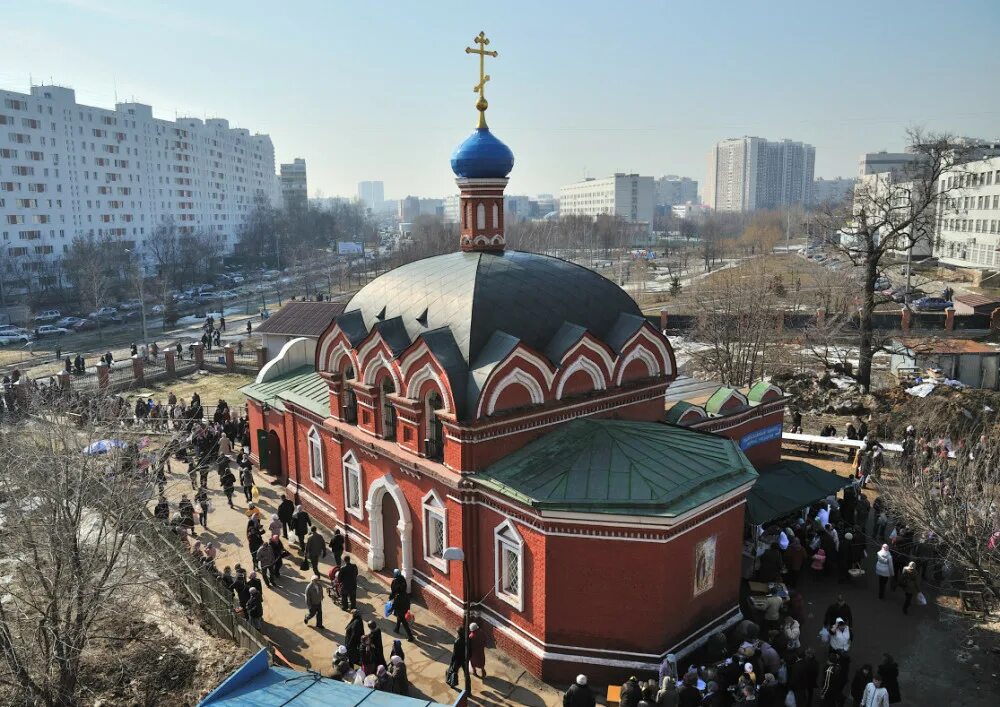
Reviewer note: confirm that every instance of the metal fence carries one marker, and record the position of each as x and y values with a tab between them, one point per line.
198	588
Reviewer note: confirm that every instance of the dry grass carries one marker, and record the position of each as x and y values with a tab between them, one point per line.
210	386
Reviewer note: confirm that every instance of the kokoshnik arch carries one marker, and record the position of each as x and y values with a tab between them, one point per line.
512	404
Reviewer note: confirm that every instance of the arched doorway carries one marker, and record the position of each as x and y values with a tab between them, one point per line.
274	454
392	548
391	527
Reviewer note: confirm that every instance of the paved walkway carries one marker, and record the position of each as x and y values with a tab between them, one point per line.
307	647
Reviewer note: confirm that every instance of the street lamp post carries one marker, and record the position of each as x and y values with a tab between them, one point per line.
458	555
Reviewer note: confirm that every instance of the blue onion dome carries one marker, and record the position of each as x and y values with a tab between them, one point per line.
482	156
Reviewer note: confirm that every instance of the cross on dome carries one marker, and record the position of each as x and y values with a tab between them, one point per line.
481	104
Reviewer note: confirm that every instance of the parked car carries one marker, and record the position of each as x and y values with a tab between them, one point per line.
103	313
932	304
130	305
157	309
14	337
68	322
49	330
85	325
883	283
11	329
899	294
49	315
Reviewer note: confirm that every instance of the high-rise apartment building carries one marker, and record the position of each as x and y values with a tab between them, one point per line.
672	190
629	196
294	188
751	173
71	170
832	191
372	195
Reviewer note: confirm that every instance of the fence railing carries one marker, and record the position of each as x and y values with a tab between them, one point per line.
196	586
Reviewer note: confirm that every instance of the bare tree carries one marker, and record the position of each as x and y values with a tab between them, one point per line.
955	504
72	567
737	323
890	214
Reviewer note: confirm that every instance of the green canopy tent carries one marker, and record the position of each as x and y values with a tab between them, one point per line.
787	487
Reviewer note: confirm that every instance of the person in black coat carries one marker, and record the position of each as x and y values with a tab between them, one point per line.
301	522
459	655
578	694
352	637
286	509
375	638
336	545
400	598
770	564
348	577
889	672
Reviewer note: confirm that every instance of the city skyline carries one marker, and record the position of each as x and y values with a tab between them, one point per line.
568	106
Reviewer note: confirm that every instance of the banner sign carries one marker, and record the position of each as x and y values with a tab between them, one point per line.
767	434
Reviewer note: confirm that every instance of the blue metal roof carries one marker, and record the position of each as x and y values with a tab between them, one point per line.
258	684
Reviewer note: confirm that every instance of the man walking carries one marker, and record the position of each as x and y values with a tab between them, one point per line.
348	577
314	601
286	511
246	478
315	548
337	546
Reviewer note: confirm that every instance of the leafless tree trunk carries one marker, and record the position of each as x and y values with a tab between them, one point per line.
891	212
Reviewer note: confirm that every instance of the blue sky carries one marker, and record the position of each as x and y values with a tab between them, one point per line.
383	90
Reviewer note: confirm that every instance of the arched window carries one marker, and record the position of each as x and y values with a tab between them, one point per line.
352	485
350	400
496	215
433	443
468	215
388	411
481	216
316	458
435	530
508	568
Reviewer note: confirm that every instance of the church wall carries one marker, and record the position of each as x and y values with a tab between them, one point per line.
737	427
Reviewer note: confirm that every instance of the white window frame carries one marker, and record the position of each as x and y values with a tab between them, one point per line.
316	470
352	469
506	538
434	508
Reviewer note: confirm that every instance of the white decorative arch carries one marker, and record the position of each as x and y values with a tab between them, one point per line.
644	355
375	365
425	374
587	366
376	550
333	359
516	377
658	343
590	345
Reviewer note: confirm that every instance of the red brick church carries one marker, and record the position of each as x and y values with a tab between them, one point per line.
512	404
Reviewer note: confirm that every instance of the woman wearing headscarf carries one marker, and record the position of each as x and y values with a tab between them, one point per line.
400	684
342	667
883	569
909	582
477	650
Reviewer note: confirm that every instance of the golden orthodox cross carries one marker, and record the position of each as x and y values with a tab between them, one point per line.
481	104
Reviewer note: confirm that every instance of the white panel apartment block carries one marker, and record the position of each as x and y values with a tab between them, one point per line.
67	169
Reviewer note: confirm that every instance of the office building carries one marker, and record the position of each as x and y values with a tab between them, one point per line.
294	191
968	218
832	191
69	170
672	190
372	195
628	196
751	173
883	162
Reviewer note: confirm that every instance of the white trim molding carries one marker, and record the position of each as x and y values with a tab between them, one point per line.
644	355
433	507
427	373
376	552
516	377
351	467
587	366
316	470
506	539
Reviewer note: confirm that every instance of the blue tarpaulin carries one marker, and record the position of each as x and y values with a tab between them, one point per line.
259	684
103	446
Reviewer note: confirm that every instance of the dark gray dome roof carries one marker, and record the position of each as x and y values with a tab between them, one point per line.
524	295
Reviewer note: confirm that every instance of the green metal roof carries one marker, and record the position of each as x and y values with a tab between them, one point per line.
720	396
757	391
303	387
675	413
615	466
788	487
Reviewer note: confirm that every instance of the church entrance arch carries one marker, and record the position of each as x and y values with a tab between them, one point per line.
391	543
